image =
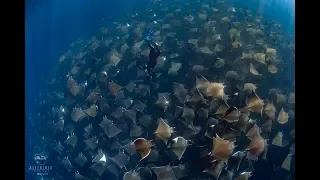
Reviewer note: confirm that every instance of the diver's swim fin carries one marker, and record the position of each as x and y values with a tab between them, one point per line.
151	75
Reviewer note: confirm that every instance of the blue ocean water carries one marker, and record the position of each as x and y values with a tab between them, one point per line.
51	26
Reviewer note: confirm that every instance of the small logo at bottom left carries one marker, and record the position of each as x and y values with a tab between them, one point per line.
40	167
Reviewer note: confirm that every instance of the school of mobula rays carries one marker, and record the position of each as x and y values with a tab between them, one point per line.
215	61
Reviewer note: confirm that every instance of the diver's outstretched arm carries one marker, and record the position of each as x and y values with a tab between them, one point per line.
148	39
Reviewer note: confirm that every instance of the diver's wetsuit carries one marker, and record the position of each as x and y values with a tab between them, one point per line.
153	55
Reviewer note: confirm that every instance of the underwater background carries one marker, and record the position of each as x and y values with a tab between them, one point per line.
52	25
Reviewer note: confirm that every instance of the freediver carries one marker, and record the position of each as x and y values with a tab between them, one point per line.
153	55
